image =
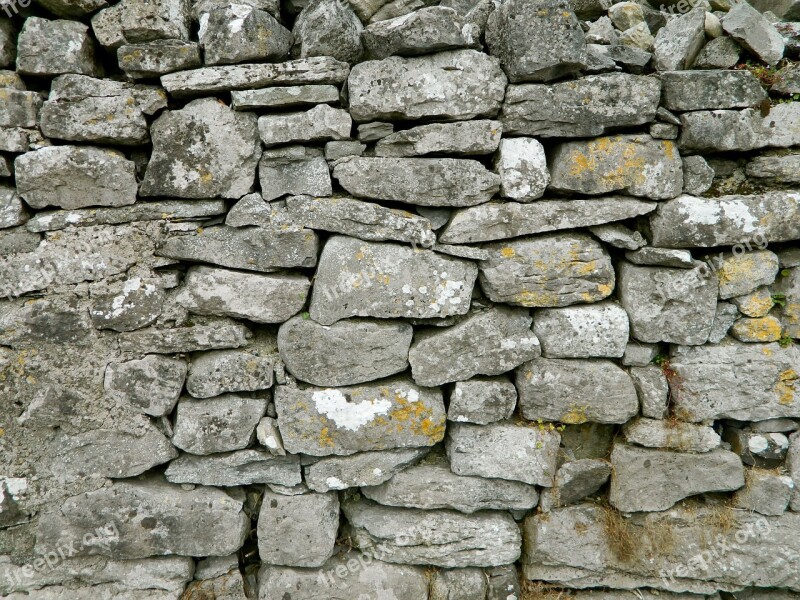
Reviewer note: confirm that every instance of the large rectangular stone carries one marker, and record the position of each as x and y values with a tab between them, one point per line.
734	130
704	90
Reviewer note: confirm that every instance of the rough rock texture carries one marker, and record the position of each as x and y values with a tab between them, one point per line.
220	424
597	330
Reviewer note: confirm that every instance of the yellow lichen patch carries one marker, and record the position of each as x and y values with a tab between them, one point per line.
359	255
605	289
535	299
205	177
406	410
581	163
434	431
756	305
507	252
586	268
760	329
325	438
669	148
576	415
785	386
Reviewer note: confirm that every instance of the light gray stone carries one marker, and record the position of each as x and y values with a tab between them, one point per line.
504	450
671	435
284	96
73	177
377	130
135	21
152	384
764	492
630	59
793	468
719	53
240	33
766	450
481	136
547	271
393	413
200	7
597	330
360	469
220	424
646	480
359	219
244	467
297	531
320	123
293	170
269	436
575	391
256	297
18	239
334	150
468	84
619	236
46	48
367	279
754	32
775	169
213	335
740	130
490	342
662	257
328	28
761	329
522	166
482	400
345	353
668	305
651	387
638	354
459	584
203	150
12	211
680	41
742	273
697	175
421	181
443	538
574	481
131	305
586	107
601	31
705	90
559	48
159	57
223	371
634	164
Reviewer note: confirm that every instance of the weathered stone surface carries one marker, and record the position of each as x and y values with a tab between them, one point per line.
18	239
559	48
678	43
422	181
359	219
691	222
222	371
742	273
651	385
442	538
467	84
328	28
504	450
375	579
740	130
210	80
239	33
757	303
244	467
766	450
586	107
574	481
83	109
793	467
152	384
204	150
777	169
698	176
662	257
220	424
360	469
761	329
366	279
279	97
582	331
683	437
269	436
46	48
556	550
297	531
168	520
390	414
481	136
132	305
725	317
73	177
211	335
256	297
226	586
575	391
764	492
719	53
704	90
12	211
490	342
668	305
547	271
252	249
754	32
459	584
789	285
645	480
159	57
635	164
482	400
317	124
431	485
763	375
293	170
134	21
522	166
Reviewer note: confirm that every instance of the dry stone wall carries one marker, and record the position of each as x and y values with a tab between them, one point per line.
399	300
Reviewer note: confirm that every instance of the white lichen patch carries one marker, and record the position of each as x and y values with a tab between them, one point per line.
349	415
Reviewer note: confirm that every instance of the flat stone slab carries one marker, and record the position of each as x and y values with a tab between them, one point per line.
707	90
245	467
360	469
482	400
221	371
680	436
740	130
152	384
213	335
220	424
284	96
597	330
463	137
393	413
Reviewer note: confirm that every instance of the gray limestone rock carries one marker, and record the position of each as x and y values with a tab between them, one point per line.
789	285
293	170
136	21
8	42
559	47
19	108
705	90
635	164
244	467
697	175
661	257
651	387
793	467
763	375
367	279
467	84
775	169
334	150
645	480
482	400
421	181
639	355
522	166
46	48
345	353
269	435
360	469
220	424
459	584
757	303
740	130
241	33
256	297
73	177
679	42
320	123
668	305
761	329
72	8
743	272
212	335
764	492
671	435
597	330
719	53
132	305
203	150
481	136
297	531
574	481
754	32
575	391
393	413
18	239
512	450
443	538
586	107
490	342
223	371
152	384
359	219
328	28
547	271
284	96
159	57
168	520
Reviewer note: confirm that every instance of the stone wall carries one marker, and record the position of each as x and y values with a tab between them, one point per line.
407	300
